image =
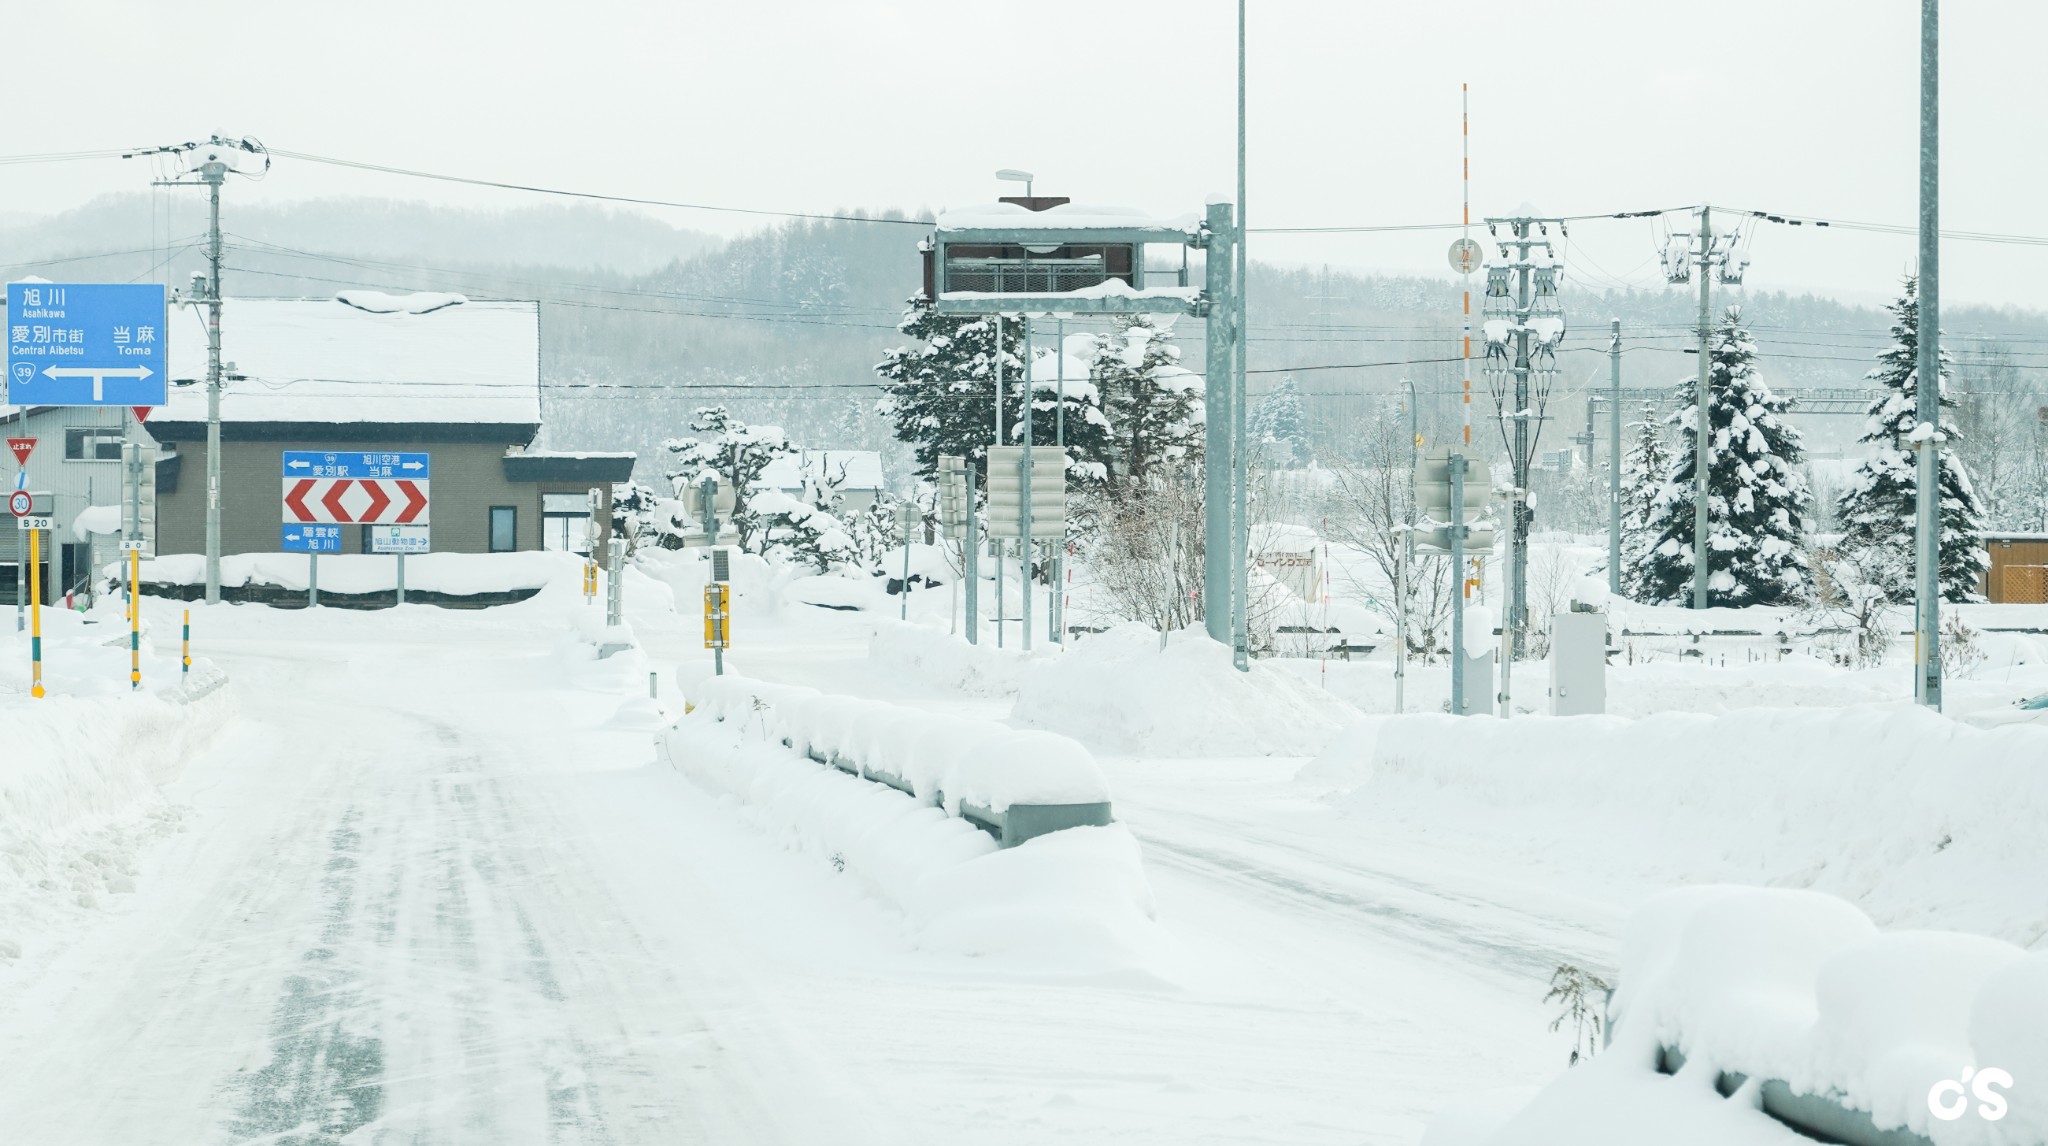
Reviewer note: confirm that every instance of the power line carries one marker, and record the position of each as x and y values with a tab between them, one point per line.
598	196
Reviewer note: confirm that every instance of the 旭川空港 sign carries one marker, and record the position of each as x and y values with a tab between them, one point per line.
86	344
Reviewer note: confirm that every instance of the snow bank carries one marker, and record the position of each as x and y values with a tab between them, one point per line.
941	759
1121	692
1075	900
78	796
1918	819
1801	988
457	574
933	656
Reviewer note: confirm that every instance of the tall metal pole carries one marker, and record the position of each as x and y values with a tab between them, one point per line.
1024	494
1518	505
1055	613
970	558
1613	461
1216	464
995	544
213	178
1927	500
1703	430
1457	473
1404	561
1240	640
1465	233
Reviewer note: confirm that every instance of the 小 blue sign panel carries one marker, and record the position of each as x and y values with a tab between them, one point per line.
311	538
86	344
354	464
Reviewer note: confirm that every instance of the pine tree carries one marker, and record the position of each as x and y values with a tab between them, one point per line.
806	528
941	395
1276	424
1153	405
1085	427
1879	510
1756	499
1644	471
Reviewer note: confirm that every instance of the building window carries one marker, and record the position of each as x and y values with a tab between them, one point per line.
565	522
504	528
92	445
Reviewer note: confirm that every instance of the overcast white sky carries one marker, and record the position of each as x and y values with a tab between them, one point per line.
1806	107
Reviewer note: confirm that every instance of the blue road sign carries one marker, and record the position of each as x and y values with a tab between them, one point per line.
86	344
311	538
354	464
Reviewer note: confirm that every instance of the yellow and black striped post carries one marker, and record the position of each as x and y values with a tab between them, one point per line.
134	618
35	611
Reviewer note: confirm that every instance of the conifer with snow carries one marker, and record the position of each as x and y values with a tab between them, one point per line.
1153	405
736	452
1756	500
1644	470
1277	422
1879	509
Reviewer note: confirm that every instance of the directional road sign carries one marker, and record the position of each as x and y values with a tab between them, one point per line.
311	539
367	486
20	504
400	539
86	344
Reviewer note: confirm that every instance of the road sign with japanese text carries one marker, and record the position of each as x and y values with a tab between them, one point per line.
86	344
346	486
311	539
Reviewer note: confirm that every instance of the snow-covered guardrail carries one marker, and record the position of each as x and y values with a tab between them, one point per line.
1743	1003
1014	785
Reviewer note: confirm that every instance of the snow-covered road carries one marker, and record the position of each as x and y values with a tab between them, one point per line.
430	890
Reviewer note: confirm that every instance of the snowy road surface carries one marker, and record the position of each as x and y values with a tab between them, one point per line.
429	891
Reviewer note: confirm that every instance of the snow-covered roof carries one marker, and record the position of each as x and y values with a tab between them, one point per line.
863	469
325	361
1011	216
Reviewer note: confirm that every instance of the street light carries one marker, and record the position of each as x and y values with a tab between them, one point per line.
1012	175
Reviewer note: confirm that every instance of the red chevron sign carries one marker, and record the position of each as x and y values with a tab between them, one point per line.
364	501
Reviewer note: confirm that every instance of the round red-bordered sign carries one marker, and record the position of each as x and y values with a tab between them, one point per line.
19	503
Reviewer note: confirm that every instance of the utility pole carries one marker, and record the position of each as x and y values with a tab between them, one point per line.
1927	501
1613	461
1521	376
1457	538
1404	562
1024	493
1703	433
1240	639
1220	231
211	162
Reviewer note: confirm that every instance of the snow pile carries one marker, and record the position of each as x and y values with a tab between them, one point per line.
1120	692
1802	988
100	519
945	760
923	653
1918	819
78	796
1075	900
456	574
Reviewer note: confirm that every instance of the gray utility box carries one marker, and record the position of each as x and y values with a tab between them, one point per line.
1480	686
1578	664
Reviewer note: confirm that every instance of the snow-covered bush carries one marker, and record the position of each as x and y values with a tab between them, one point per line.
736	452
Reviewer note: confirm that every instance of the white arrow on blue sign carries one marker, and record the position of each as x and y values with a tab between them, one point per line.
86	344
355	464
312	539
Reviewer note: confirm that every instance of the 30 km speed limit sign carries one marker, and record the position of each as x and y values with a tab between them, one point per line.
19	503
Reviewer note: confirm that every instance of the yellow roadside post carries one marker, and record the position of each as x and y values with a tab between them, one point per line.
35	611
135	617
717	616
186	654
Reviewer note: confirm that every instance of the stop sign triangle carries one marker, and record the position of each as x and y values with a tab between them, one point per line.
22	448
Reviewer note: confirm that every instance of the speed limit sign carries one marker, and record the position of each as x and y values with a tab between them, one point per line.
19	503
1465	256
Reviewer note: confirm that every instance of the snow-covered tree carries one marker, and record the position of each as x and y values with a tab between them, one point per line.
1277	422
875	534
1756	500
733	450
941	394
1154	406
806	528
1083	426
1879	510
646	519
1643	473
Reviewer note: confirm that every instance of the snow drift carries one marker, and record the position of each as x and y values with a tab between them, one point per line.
1801	989
1120	692
1073	901
934	657
79	793
1916	818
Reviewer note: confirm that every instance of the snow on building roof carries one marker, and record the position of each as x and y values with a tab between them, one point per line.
1011	216
863	469
326	361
